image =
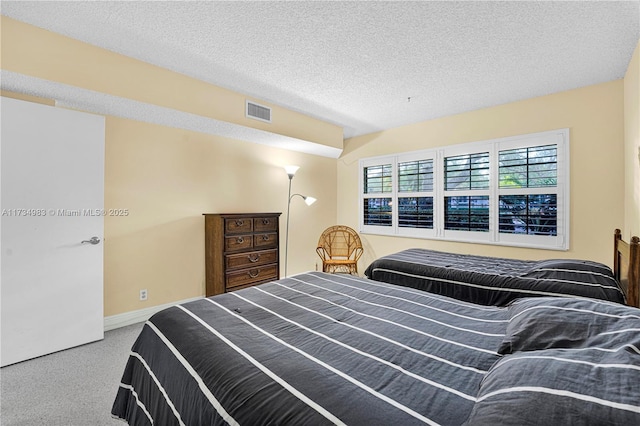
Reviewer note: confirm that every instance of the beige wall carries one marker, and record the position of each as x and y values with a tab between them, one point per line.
632	146
168	177
594	116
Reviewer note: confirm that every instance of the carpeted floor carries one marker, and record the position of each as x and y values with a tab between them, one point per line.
75	387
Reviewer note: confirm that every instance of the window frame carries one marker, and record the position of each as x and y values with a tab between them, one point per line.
560	241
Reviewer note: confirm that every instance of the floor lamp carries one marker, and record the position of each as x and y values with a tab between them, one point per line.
291	171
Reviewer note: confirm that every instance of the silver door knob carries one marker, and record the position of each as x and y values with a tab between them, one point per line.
93	240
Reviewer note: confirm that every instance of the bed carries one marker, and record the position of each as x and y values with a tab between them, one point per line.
497	281
320	348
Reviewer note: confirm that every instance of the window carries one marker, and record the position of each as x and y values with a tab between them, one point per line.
522	211
377	211
415	178
377	180
511	191
470	171
467	213
533	167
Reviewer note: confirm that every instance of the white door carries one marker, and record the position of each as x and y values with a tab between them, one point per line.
51	202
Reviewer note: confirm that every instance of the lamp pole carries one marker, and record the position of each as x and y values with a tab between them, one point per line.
286	243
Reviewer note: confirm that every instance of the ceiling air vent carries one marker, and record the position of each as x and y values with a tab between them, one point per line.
258	112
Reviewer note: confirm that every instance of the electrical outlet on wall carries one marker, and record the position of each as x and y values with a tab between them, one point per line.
143	294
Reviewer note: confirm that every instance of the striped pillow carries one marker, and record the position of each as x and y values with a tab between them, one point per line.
561	387
544	323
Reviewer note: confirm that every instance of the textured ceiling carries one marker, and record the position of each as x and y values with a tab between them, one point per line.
363	65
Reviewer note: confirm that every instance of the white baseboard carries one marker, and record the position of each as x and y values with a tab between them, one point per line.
133	317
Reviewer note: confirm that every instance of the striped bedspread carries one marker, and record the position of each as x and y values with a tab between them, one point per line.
495	281
319	349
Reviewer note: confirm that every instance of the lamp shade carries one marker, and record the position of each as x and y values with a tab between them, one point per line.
291	170
309	200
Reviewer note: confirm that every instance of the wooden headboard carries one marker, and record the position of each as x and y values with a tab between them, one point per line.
626	267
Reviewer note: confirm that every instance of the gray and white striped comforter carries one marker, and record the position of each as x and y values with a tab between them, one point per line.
320	349
495	281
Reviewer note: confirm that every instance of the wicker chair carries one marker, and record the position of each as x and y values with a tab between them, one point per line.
340	248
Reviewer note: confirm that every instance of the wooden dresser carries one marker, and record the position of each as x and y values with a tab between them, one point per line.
241	250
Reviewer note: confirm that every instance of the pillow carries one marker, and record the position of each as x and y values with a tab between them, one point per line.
543	323
580	278
561	387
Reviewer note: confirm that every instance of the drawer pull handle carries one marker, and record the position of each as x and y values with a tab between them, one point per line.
253	274
265	238
240	240
265	221
253	258
239	222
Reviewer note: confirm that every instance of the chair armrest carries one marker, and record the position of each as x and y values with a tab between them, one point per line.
322	253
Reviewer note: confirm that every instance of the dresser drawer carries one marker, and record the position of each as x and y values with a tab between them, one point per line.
238	225
238	242
265	240
253	275
251	259
265	224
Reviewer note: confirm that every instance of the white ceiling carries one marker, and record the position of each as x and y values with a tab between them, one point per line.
356	64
